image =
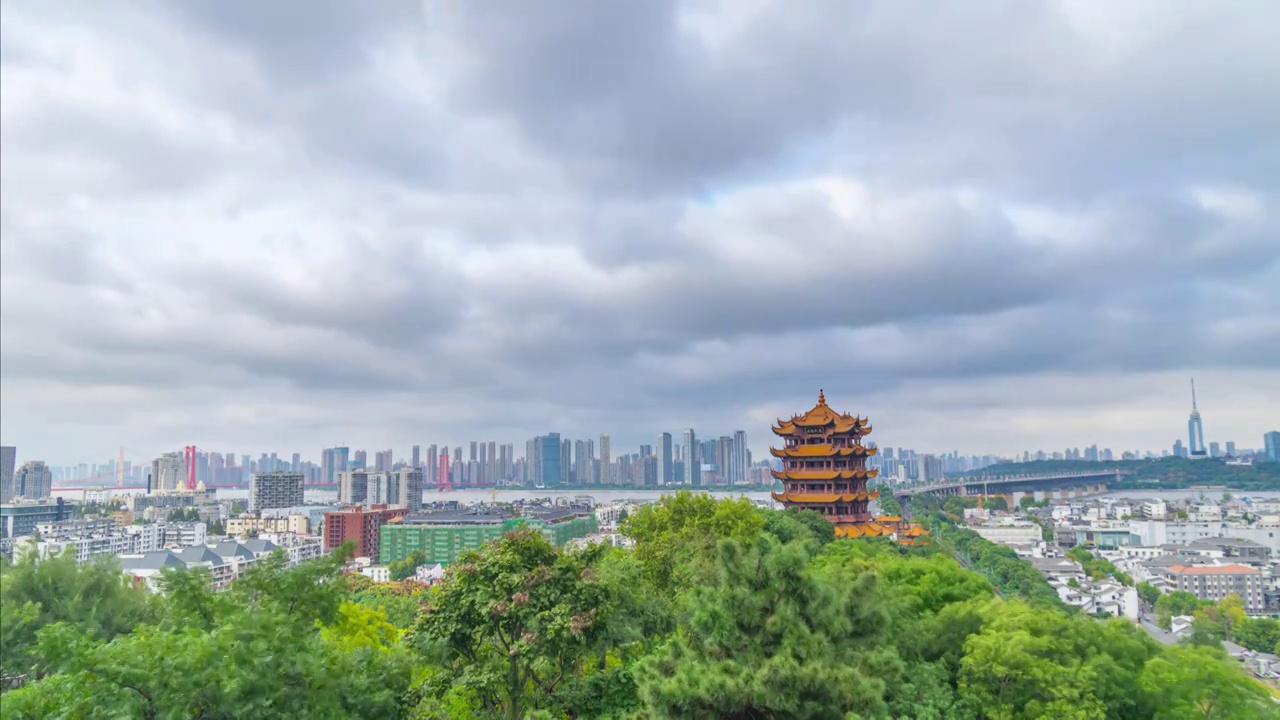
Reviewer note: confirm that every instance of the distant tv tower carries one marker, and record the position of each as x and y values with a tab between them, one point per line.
1195	429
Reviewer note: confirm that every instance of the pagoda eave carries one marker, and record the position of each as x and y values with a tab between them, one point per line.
826	498
802	475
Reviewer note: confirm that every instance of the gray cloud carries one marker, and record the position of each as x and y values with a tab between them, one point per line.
417	222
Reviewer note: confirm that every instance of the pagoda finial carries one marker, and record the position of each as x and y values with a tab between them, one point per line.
822	399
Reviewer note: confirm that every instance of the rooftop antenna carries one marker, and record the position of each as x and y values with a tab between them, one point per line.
1193	393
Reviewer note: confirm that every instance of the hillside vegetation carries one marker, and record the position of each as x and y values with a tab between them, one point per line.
720	611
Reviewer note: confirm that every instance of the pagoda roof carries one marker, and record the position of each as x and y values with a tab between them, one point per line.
809	451
823	416
856	473
888	519
914	531
867	529
825	498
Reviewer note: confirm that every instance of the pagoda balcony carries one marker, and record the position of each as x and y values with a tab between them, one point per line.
861	517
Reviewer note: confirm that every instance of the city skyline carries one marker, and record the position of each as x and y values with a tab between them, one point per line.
1194	425
410	226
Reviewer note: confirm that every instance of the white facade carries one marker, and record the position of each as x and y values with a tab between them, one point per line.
181	534
608	516
1153	509
377	573
1162	532
1009	533
275	489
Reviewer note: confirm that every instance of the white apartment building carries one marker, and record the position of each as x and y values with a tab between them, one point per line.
1009	532
1204	512
1117	599
296	548
253	522
608	516
1163	532
89	537
275	489
1153	509
181	534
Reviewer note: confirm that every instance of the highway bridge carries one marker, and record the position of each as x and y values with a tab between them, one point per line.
1064	484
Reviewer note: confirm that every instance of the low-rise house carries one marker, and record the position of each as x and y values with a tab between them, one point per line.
1062	569
225	561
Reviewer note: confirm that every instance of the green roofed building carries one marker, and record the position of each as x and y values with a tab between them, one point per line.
445	535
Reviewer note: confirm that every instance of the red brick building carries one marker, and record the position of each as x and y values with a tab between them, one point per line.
360	525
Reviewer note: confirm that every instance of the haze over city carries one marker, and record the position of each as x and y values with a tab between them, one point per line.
388	224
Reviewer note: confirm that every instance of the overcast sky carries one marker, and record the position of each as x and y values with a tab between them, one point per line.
988	226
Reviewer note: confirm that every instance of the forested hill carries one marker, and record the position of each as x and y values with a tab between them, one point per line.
721	610
1169	473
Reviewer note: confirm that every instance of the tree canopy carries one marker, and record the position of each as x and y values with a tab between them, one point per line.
720	610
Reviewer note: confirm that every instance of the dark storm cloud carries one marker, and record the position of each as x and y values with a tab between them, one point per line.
623	216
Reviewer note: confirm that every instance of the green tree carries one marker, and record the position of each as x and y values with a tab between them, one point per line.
1258	634
789	525
1178	602
1148	593
280	644
772	638
1202	682
676	536
93	597
402	569
513	624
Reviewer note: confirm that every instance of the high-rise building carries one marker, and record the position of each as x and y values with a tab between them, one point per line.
665	470
333	461
34	481
1178	449
8	460
1271	446
1231	448
379	488
169	472
566	449
361	459
415	458
546	464
383	460
407	488
295	463
1215	450
583	461
649	469
692	459
353	486
606	460
740	457
277	489
1195	429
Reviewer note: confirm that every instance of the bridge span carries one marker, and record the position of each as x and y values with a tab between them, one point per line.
1065	484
